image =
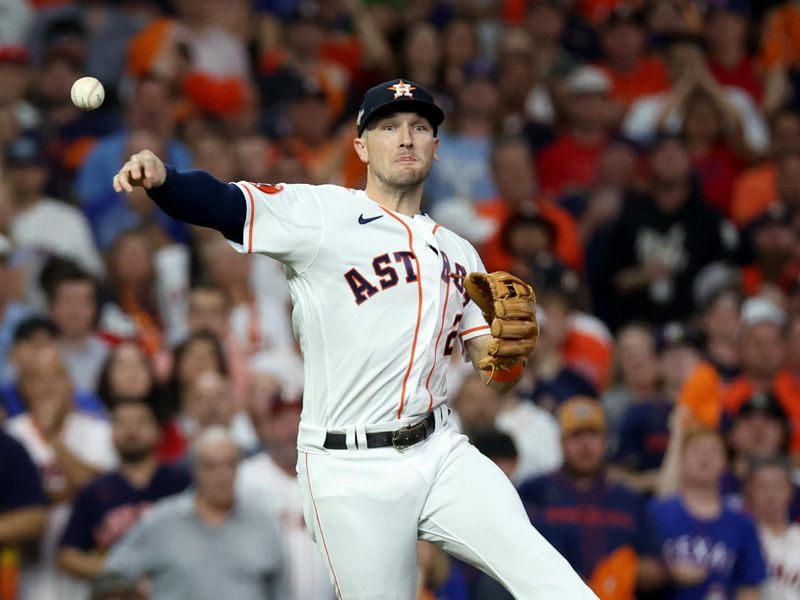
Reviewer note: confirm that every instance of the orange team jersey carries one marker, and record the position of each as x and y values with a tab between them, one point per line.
708	397
567	247
754	191
780	40
648	77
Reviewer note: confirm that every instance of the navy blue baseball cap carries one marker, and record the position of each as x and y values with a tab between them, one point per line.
398	95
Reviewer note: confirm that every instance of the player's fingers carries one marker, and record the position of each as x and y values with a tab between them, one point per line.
125	178
135	167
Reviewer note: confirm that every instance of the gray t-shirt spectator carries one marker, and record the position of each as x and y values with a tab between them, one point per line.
185	558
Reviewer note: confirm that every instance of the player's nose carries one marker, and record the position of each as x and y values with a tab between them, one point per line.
406	140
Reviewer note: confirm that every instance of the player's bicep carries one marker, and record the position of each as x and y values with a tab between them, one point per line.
283	221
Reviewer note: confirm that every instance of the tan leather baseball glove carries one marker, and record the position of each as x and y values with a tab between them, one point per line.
509	307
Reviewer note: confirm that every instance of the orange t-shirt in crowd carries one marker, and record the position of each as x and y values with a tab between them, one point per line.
649	76
567	245
589	349
780	38
754	191
708	397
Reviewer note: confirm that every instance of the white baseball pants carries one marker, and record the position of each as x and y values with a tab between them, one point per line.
367	508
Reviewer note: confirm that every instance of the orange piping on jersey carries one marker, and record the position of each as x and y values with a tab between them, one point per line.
322	535
419	310
478	328
436	347
252	218
435	228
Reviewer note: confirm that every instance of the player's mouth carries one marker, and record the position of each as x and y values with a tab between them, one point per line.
407	159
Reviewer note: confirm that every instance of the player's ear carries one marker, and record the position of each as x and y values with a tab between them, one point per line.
361	149
436	148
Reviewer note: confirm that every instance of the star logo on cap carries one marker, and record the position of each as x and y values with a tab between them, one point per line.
360	116
401	88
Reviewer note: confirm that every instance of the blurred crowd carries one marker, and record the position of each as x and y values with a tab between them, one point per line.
637	160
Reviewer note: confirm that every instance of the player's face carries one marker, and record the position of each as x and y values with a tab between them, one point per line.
399	150
134	431
584	451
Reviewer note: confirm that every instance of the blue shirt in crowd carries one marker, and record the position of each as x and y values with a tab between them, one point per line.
726	546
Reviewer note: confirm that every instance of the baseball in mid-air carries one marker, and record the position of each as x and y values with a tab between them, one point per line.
87	93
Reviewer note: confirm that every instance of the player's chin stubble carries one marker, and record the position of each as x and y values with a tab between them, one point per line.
402	181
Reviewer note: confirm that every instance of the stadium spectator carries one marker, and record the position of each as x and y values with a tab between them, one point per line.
269	479
23	513
726	31
570	161
687	70
773	265
69	447
464	172
632	71
708	547
769	492
72	299
762	350
663	239
515	177
112	504
208	402
31	337
600	527
35	216
755	189
533	430
257	322
205	543
719	323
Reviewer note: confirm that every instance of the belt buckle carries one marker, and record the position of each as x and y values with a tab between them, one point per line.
400	437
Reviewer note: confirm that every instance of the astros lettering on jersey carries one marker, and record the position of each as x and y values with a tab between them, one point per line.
358	271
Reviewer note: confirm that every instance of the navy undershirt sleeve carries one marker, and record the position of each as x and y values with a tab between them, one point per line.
197	198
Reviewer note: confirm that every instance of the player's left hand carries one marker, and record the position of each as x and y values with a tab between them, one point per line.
509	307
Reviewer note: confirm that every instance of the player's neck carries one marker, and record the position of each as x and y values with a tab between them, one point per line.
406	201
776	526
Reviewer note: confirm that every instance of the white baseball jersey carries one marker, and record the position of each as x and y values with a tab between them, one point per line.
376	312
783	559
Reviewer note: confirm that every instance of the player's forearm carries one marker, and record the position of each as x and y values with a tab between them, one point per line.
748	593
197	198
22	524
85	565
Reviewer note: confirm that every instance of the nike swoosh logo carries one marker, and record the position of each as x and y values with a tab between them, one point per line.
363	221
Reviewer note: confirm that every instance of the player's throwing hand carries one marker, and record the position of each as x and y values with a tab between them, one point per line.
143	168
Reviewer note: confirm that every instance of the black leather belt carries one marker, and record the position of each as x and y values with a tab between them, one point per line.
400	439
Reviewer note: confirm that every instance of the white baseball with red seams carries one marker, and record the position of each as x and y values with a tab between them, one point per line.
377	316
87	93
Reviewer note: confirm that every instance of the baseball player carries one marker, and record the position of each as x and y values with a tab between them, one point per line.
382	294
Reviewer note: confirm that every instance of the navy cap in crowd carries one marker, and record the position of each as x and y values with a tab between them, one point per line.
398	95
766	404
23	151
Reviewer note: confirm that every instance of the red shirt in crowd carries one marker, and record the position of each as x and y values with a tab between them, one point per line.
567	164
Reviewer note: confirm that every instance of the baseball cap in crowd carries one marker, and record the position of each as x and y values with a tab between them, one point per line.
398	95
23	151
14	55
588	80
676	334
760	309
581	412
764	403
